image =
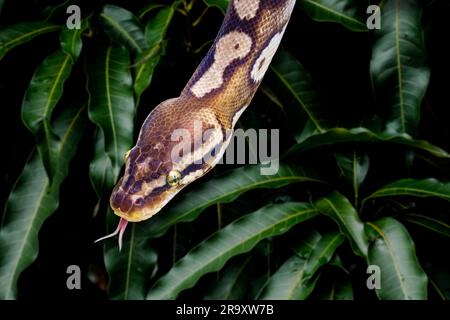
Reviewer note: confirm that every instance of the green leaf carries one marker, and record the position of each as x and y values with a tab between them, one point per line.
130	269
296	278
232	282
270	94
221	4
2	2
156	29
339	289
155	33
335	283
32	201
143	74
393	251
349	13
412	187
236	238
429	223
52	10
224	188
112	109
101	170
123	27
323	251
398	66
354	167
336	261
336	136
337	207
149	8
14	35
71	39
296	91
41	97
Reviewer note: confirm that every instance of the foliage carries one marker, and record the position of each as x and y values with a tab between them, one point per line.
363	178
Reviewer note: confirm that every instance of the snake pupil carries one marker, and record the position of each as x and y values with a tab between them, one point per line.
173	178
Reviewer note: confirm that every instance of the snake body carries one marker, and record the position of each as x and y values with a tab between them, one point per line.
216	95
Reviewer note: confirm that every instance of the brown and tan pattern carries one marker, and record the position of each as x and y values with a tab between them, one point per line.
217	94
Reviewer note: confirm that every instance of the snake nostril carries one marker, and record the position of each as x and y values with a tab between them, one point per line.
126	205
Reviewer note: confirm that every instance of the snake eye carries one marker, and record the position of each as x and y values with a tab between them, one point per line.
173	178
127	154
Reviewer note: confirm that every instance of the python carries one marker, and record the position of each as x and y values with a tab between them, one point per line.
205	146
217	94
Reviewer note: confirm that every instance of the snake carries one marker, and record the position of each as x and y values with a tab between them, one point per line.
218	92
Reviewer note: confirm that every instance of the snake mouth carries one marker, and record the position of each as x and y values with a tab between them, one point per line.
133	216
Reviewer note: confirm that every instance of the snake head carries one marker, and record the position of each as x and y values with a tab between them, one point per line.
163	161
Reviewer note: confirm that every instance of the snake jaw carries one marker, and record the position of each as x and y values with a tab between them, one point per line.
146	211
119	230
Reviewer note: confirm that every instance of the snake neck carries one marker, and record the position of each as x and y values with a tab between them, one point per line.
229	75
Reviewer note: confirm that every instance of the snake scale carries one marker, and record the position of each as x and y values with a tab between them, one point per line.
218	92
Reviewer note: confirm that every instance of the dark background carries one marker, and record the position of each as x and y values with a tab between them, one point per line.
337	59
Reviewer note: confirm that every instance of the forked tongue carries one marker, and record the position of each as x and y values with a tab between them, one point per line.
119	230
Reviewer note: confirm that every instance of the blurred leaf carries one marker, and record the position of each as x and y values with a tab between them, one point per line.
123	27
296	278
300	100
41	97
258	284
339	288
337	262
156	29
130	269
232	282
53	9
71	39
2	2
224	188
398	66
32	201
149	8
112	109
354	166
143	73
412	187
155	33
102	173
393	251
429	223
221	4
288	282
13	35
349	13
337	207
265	89
238	237
336	136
